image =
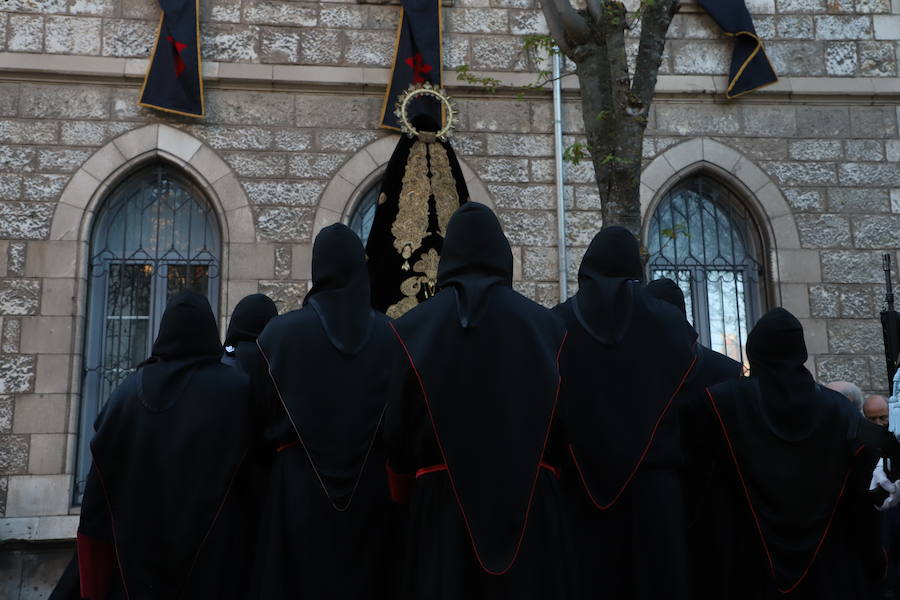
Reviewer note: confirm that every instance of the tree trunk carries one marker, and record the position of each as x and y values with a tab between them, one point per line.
615	105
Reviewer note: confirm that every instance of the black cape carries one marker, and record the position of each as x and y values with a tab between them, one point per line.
421	188
624	365
324	530
802	477
169	446
249	318
473	421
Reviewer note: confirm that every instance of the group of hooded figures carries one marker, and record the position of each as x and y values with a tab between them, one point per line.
479	447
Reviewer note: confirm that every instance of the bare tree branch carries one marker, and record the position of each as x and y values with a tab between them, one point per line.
555	25
654	27
595	8
574	25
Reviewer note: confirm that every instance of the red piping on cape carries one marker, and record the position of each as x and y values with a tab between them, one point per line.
537	470
437	468
96	566
753	509
640	461
202	542
287	445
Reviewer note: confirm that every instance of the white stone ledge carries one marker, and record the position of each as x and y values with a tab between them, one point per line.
265	76
32	529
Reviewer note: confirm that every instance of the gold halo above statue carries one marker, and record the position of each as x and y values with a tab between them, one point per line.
426	89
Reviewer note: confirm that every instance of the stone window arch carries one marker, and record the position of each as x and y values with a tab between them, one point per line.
701	235
155	234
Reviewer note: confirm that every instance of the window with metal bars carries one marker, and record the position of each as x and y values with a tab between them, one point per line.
154	236
702	237
364	212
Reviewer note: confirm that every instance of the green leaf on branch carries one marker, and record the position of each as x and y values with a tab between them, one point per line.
464	73
576	153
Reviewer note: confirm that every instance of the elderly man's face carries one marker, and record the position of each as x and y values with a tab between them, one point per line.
876	410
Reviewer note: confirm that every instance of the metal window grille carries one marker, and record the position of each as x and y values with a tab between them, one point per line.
364	212
155	236
703	238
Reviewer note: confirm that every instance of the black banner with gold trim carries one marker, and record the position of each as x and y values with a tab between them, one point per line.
750	67
417	59
174	82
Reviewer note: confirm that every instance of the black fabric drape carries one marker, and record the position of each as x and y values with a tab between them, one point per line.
750	67
477	403
167	454
422	186
417	59
174	81
249	318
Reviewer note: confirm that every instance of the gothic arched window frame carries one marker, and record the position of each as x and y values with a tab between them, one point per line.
737	206
159	269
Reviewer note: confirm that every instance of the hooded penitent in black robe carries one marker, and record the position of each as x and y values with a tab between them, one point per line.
325	527
804	525
708	499
158	518
421	188
470	430
249	318
624	364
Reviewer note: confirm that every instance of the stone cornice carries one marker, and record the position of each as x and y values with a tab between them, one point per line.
92	69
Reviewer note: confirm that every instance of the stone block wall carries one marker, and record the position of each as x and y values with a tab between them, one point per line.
820	167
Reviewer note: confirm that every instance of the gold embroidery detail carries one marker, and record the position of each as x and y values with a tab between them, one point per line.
428	264
411	225
395	311
443	186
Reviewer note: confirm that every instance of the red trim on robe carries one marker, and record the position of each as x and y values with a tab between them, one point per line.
96	565
437	468
437	438
756	517
400	484
643	456
284	447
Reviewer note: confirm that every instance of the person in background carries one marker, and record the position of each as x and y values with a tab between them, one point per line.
324	526
805	520
159	519
471	431
875	410
249	318
626	360
707	497
850	391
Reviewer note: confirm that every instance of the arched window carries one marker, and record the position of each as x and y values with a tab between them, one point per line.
702	237
154	236
364	212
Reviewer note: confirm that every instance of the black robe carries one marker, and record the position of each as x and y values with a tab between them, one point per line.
159	519
802	525
422	186
326	524
624	365
471	434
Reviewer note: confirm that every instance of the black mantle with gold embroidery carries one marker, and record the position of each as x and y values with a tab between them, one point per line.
422	187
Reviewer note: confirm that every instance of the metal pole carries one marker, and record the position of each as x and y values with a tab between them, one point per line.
560	179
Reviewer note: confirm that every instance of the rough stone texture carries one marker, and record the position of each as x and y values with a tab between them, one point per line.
804	199
824	231
305	193
45	101
843	368
852	267
285	224
858	200
877	231
128	38
26	33
855	336
19	296
283	258
24	220
841	59
230	43
11	336
16	373
6	414
824	301
72	35
13	454
287	296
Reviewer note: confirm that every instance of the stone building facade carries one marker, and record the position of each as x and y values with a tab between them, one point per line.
290	144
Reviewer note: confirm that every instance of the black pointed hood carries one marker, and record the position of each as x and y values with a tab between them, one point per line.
476	257
605	284
188	337
249	319
340	293
777	353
